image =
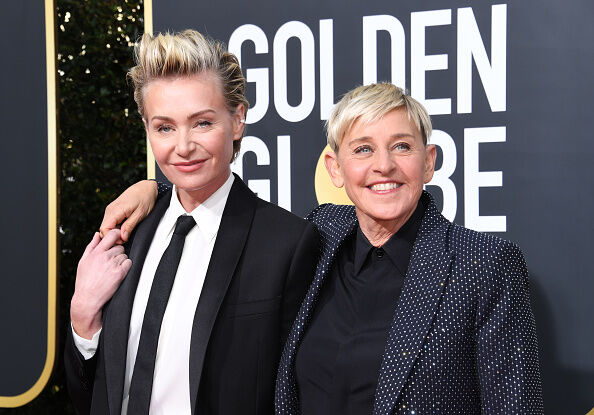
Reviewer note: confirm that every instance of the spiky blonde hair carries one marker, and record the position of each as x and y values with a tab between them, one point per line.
184	54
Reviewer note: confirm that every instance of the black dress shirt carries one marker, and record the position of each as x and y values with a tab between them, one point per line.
338	361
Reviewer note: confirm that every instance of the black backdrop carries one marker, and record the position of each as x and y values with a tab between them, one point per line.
510	96
508	85
28	208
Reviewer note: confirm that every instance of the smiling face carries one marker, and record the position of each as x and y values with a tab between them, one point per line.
191	133
383	166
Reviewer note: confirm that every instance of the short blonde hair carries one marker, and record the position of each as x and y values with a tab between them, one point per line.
369	103
184	54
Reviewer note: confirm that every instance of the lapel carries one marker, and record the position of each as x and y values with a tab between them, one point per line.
335	223
117	315
231	238
424	285
333	232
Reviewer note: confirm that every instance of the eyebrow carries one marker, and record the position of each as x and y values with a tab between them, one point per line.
402	135
189	117
199	113
365	138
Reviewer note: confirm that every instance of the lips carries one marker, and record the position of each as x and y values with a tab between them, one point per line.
383	187
189	166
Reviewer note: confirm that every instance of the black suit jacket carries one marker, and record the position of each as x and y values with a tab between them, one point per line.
262	262
462	339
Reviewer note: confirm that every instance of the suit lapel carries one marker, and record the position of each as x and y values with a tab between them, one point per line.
117	317
424	285
335	223
333	235
231	238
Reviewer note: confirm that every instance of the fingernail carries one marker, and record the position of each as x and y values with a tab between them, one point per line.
125	234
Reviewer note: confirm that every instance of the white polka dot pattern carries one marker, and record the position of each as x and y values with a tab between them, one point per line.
162	188
463	338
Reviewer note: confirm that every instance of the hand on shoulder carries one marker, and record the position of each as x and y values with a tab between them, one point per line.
129	208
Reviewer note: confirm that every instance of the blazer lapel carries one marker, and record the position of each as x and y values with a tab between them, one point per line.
333	234
119	309
335	223
231	237
423	287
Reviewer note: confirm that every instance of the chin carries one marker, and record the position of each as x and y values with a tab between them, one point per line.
388	217
190	187
390	213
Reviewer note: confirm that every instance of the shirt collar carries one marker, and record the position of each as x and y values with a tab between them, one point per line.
207	215
398	248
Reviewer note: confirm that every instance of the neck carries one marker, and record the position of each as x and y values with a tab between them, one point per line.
378	232
190	199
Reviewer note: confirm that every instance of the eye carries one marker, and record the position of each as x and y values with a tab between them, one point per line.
402	146
202	124
164	128
362	149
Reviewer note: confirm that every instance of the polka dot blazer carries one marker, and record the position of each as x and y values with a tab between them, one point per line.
462	339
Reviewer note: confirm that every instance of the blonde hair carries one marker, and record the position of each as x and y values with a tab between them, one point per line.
184	54
369	103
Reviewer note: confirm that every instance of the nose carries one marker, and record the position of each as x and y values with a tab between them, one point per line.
184	145
384	162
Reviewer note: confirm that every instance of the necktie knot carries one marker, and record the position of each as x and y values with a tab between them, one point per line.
184	224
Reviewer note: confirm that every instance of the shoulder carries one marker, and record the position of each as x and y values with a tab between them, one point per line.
481	245
493	262
330	214
272	212
476	255
147	226
242	198
279	229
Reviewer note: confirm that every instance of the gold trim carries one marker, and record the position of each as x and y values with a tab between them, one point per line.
148	28
50	57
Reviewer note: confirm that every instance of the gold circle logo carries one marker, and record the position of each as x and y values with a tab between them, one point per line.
326	192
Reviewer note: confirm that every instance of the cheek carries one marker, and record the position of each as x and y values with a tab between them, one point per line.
354	172
217	144
354	175
160	149
414	169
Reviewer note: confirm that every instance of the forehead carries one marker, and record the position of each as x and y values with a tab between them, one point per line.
197	89
394	123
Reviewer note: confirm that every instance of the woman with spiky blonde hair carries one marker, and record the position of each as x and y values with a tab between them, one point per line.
213	276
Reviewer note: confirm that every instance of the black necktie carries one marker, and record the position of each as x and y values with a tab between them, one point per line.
142	377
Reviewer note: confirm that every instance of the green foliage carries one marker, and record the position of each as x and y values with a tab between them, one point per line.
101	139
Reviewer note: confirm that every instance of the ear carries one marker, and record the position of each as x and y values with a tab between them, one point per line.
333	167
238	122
430	155
145	122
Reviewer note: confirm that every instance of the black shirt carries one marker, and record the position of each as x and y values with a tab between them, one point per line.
338	361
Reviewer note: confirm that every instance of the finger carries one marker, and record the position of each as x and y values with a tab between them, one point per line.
130	223
113	215
109	240
108	223
120	259
115	250
94	242
126	265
